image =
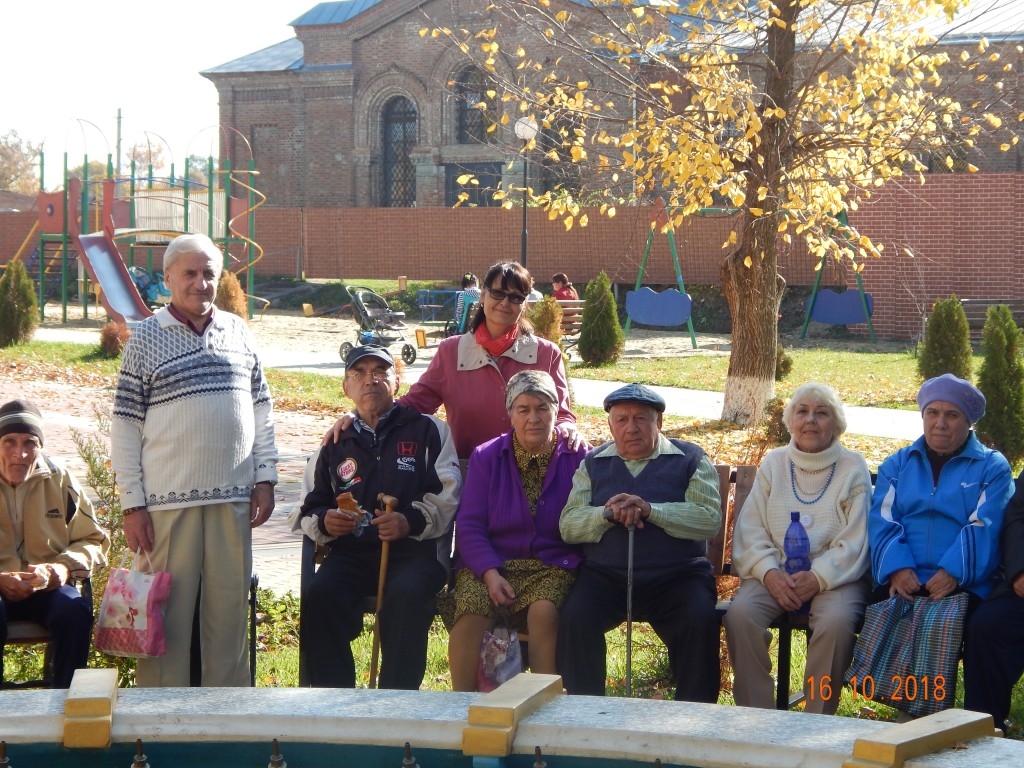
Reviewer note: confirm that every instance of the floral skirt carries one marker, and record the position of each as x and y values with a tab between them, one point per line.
531	579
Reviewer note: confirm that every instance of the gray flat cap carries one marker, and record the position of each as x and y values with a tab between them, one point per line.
635	393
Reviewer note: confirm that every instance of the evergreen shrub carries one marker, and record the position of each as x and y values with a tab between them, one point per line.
947	342
1001	379
601	337
19	311
546	316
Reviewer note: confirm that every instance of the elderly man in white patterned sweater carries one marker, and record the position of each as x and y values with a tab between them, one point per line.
193	450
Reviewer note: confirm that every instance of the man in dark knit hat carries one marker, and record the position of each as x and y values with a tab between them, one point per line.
48	538
668	490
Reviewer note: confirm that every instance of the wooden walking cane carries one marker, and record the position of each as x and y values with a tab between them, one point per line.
390	505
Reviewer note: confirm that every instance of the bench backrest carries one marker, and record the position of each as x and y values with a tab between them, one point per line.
734	484
977	310
572	315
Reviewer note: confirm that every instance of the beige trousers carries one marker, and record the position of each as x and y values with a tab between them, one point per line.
833	620
212	544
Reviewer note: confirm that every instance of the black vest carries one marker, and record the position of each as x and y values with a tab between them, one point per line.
665	478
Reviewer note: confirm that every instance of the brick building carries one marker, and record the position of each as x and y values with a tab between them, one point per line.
359	109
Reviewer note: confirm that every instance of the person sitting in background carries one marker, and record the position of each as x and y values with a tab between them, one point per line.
48	538
469	294
394	450
668	490
831	488
508	543
562	288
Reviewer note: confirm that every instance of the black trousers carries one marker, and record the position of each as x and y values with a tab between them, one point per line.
68	617
994	656
679	606
336	596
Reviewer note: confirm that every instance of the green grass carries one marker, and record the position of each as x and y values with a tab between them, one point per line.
864	377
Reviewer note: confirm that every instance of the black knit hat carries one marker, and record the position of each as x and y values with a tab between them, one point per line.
21	416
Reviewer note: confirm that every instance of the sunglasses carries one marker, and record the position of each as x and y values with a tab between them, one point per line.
499	295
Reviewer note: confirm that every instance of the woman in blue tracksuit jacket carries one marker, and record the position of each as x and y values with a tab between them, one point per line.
938	505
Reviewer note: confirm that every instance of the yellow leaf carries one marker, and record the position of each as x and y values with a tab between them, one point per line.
611	212
499	194
584	220
747	262
756	212
423	32
464	178
568	223
583	85
733	239
972	168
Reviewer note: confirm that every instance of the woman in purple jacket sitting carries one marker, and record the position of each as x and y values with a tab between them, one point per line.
510	554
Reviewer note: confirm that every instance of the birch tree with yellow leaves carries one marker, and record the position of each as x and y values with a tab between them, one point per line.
785	112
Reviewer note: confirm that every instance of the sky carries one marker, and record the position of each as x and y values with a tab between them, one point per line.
68	66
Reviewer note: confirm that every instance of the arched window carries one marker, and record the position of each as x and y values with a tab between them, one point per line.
398	138
474	109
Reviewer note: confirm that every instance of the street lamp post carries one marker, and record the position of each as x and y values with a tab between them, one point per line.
526	129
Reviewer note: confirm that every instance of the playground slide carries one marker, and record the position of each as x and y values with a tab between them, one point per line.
119	295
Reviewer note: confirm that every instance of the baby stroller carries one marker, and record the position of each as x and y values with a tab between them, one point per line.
150	286
378	324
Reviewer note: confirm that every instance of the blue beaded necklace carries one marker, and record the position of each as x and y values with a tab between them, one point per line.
796	494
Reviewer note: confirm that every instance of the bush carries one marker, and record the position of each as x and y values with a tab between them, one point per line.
230	296
19	312
546	316
947	342
601	337
1001	379
783	363
113	338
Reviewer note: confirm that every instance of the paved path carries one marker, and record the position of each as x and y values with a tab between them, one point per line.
276	551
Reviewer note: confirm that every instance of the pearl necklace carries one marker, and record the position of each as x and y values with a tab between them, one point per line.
828	482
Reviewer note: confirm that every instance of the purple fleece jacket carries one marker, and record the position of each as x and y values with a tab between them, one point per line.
493	523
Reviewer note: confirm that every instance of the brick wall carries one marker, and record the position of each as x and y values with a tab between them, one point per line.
958	233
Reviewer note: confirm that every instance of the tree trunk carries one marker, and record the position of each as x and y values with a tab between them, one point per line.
754	294
750	275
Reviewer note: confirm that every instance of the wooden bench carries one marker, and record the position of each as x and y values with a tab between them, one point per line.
734	485
572	315
977	310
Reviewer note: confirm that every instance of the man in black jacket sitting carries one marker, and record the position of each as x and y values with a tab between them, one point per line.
393	450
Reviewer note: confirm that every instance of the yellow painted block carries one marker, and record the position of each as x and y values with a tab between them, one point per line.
517	698
307	310
87	732
487	742
92	693
894	746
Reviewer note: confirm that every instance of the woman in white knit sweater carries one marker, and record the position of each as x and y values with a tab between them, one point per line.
830	487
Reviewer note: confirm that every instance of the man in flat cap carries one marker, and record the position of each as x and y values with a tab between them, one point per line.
394	450
49	537
668	490
938	504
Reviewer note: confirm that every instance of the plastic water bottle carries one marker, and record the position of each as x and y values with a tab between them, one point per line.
797	547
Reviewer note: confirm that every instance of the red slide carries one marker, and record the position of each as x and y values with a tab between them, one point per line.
119	295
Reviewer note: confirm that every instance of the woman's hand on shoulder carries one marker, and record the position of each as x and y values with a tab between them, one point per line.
573	437
334	433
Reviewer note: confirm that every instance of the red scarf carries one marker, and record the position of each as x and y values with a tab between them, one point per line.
495	347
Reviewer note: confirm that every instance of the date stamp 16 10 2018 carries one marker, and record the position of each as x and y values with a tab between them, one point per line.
899	688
